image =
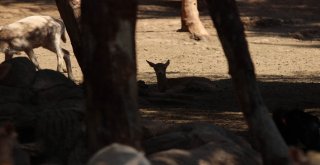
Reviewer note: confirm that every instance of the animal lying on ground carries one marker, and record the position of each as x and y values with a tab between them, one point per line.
33	32
181	83
298	128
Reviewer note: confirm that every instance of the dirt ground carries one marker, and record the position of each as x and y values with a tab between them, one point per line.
284	41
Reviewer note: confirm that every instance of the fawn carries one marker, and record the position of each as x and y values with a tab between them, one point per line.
178	84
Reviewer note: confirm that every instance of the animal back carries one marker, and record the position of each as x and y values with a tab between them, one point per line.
187	80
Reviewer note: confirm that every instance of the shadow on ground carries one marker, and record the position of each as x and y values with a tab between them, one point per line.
219	107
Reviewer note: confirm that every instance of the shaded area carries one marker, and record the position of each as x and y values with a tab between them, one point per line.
286	9
43	2
220	108
277	91
290	18
159	8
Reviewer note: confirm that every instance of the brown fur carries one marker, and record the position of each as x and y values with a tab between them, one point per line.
33	32
181	83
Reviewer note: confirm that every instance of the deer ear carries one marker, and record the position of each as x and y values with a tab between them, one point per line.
150	63
167	63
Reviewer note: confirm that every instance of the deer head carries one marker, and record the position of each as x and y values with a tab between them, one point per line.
160	69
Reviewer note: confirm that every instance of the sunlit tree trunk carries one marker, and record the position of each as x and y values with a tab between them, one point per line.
231	34
108	46
190	20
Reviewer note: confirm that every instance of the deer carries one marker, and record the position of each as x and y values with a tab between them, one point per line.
178	84
33	32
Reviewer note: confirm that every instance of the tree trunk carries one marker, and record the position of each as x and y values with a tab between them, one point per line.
230	30
190	20
76	7
108	45
70	20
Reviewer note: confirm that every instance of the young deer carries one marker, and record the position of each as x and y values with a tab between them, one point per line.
178	84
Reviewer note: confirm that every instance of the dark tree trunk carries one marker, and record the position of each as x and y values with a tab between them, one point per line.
69	18
108	46
230	30
76	7
190	20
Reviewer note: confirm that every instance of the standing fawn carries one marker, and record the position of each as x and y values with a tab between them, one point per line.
181	83
33	32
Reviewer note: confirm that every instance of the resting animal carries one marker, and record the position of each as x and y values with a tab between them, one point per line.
181	83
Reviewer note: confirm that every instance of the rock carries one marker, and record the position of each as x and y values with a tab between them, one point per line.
210	153
23	116
49	78
191	143
11	94
21	72
59	131
53	87
118	154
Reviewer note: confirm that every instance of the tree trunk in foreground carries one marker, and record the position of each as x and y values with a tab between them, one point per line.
108	45
76	7
190	20
230	30
70	20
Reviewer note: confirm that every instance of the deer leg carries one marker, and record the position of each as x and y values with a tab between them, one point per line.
33	58
61	54
58	51
67	60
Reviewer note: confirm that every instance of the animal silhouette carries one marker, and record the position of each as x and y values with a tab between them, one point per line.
181	83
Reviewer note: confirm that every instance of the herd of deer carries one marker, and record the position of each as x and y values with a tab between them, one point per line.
297	127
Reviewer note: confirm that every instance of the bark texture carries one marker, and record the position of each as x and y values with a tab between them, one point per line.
68	14
190	20
76	7
108	45
230	30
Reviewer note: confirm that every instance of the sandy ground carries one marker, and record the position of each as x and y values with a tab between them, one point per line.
287	68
